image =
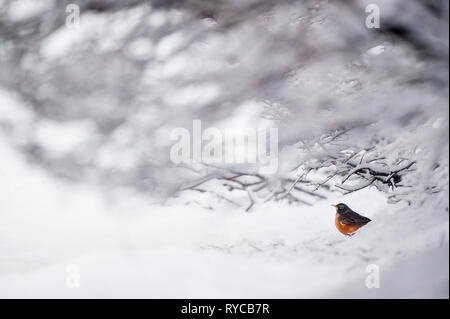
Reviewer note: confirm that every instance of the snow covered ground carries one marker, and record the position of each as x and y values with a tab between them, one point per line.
52	232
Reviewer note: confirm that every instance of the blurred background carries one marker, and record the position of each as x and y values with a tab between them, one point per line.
87	106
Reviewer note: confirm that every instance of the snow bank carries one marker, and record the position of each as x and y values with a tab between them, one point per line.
136	249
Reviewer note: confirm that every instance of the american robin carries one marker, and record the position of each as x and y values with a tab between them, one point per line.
348	221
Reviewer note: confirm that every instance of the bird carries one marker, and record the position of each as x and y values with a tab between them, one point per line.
347	221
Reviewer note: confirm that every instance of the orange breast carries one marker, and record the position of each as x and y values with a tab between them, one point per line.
345	229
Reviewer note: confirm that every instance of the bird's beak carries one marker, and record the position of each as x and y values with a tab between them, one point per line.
334	206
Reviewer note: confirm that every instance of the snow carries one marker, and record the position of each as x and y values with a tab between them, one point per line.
25	9
132	248
176	69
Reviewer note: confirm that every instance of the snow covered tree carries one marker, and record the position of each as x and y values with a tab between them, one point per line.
355	106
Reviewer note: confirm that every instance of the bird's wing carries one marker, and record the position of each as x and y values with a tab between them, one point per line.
352	218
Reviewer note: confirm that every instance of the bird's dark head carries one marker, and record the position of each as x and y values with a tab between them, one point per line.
341	208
